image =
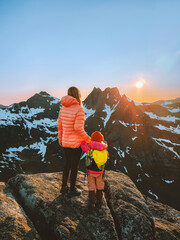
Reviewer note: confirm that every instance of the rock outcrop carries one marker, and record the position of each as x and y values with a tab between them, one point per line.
166	220
14	223
60	217
126	214
138	216
133	218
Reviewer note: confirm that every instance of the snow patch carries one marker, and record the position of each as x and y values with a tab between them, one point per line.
168	181
121	153
174	110
134	138
88	111
125	169
12	152
139	164
123	123
109	110
139	180
166	103
161	141
128	149
32	112
42	146
138	104
55	100
8	118
134	125
167	141
153	194
175	130
167	118
129	99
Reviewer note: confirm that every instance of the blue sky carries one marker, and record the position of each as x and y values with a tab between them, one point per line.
52	45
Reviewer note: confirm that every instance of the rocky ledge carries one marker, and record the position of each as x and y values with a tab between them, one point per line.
31	207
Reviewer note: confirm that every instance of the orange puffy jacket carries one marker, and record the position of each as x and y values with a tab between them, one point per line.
71	123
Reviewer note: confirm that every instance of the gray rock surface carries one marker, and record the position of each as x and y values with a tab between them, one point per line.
166	220
126	214
133	218
61	217
14	223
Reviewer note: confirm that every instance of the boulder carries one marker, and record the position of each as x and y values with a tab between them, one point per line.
14	223
132	216
166	220
125	214
60	217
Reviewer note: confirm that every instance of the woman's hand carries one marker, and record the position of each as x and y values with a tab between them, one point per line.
88	140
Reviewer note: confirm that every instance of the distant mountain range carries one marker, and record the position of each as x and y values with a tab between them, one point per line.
2	106
143	139
167	102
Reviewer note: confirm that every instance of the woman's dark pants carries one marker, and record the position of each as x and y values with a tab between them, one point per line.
73	156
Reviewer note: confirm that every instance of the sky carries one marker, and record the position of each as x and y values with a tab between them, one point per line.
50	45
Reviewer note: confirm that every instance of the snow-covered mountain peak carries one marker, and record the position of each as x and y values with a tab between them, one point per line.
143	139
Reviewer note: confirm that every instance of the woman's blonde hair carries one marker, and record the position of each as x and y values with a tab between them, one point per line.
75	92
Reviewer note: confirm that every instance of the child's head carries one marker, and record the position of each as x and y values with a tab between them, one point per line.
97	137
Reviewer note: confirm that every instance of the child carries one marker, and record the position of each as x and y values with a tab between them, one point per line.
96	157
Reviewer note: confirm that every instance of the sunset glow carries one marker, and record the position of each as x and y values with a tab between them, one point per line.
140	83
57	48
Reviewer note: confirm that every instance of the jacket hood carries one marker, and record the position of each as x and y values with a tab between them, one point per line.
68	101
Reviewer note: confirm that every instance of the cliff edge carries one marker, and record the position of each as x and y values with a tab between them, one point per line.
31	207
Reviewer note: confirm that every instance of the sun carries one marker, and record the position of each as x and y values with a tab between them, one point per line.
140	83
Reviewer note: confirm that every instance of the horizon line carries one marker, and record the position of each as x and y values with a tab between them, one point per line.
55	95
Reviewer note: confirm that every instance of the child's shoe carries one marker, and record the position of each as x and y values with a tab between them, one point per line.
92	200
99	204
99	195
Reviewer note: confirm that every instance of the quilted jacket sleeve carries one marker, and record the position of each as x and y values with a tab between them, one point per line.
60	130
79	125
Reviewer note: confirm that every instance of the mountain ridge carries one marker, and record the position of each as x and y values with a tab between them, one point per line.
143	139
158	102
166	102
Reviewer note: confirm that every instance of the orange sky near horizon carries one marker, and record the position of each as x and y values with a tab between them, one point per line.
139	95
62	45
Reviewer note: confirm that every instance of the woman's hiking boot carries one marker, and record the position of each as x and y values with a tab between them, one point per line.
74	192
64	189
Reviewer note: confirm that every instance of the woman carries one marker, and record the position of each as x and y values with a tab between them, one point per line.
71	133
